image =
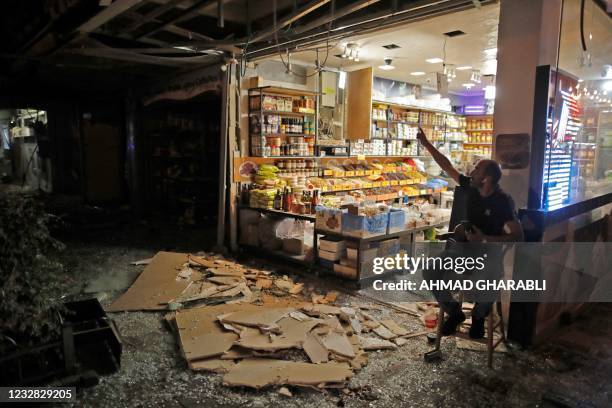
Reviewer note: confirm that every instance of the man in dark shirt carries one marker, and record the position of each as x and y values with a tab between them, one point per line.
493	219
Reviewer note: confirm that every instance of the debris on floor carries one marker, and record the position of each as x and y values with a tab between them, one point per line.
175	280
259	345
256	328
259	329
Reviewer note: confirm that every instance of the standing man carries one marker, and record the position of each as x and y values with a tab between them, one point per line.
493	219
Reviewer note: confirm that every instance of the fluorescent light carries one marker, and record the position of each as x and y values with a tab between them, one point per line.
464	67
468	85
342	80
435	60
417	73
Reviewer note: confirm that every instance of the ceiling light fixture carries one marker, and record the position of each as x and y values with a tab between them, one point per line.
468	86
387	66
476	77
464	68
417	73
435	60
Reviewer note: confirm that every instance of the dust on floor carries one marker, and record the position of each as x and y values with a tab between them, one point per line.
567	370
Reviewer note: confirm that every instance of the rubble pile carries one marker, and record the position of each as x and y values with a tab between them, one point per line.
256	328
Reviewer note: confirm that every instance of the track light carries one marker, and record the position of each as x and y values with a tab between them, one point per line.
388	64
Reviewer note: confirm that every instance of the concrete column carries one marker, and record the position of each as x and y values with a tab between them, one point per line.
528	36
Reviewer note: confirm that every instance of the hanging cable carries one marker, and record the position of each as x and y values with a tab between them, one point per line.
318	67
583	42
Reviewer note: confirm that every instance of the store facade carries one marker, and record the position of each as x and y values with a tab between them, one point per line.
314	129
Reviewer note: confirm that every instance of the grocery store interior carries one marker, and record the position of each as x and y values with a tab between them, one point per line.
195	194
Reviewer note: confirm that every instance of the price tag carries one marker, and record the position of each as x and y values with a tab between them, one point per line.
350	173
361	157
394	182
359	173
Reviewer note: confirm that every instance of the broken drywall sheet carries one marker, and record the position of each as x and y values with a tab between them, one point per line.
291	334
156	285
315	350
258	373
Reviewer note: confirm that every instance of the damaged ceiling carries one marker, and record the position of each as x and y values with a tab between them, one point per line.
119	43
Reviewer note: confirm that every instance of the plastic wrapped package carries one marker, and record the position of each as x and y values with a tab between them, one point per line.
267	233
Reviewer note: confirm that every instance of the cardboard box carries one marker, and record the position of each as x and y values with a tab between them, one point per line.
330	256
328	219
362	226
397	221
348	262
293	246
388	247
345	271
366	254
332	244
252	235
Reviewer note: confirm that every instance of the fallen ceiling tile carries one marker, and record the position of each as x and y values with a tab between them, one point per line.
197	260
226	280
207	345
394	327
292	334
156	285
297	288
385	333
213	365
315	350
264	317
258	373
226	271
337	342
318	309
264	283
331	296
356	325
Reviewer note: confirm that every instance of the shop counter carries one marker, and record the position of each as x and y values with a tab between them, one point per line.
352	257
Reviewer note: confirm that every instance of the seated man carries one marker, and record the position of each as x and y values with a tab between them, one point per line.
493	218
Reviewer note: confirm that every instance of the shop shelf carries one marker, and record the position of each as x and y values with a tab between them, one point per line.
384	236
279	113
285	135
305	217
274	90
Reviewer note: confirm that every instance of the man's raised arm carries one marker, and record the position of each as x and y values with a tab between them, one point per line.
441	159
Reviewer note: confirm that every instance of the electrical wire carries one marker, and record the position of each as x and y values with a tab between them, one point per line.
319	66
582	41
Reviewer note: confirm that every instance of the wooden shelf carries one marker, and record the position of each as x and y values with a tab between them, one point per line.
285	135
274	90
279	113
271	211
411	107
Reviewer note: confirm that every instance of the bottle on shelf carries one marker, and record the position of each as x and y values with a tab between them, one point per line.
278	200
